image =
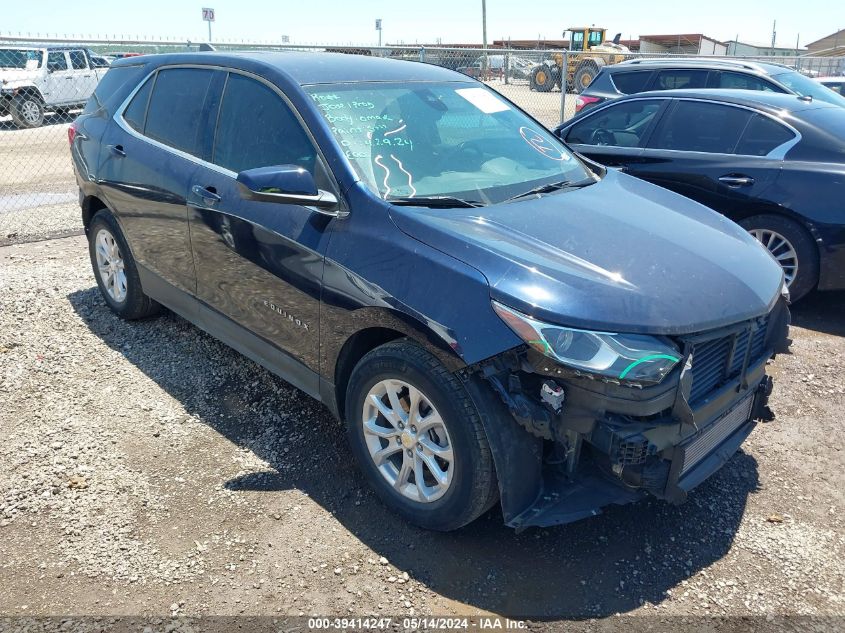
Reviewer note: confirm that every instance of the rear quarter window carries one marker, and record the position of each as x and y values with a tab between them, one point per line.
114	80
762	135
631	82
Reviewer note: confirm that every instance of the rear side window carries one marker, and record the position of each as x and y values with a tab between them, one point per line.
113	80
742	81
78	60
630	82
762	136
695	126
680	78
619	125
257	129
56	61
174	114
136	111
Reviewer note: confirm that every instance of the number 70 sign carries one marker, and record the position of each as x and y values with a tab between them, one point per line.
208	15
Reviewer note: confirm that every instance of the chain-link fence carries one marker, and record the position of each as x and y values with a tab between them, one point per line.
46	84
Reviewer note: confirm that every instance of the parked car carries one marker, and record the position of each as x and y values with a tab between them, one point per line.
644	75
837	84
33	80
517	67
771	162
491	316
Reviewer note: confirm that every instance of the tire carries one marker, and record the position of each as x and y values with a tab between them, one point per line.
772	231
542	78
122	293
470	489
27	111
584	75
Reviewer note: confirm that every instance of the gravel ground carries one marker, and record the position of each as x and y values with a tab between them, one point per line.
149	470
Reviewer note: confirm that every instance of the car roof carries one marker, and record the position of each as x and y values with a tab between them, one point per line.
759	99
311	67
767	68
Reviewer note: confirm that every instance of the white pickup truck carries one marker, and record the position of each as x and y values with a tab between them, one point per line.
34	79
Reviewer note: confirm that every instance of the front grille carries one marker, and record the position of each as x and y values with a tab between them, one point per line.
713	364
718	432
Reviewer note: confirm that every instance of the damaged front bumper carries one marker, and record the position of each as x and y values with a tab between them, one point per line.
611	444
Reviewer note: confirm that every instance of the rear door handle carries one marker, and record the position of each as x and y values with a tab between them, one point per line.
735	180
117	150
208	196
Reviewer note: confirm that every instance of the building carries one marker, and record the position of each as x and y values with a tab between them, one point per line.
833	44
683	44
748	49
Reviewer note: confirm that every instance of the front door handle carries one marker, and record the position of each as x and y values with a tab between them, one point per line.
208	195
736	180
117	150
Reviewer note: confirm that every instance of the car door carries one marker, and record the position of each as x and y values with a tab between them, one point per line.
614	134
715	153
150	153
59	88
84	77
260	264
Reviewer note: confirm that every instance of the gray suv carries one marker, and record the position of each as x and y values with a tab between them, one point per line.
642	75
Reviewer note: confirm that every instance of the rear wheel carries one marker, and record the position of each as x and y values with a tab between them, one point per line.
418	439
792	247
542	78
27	111
115	269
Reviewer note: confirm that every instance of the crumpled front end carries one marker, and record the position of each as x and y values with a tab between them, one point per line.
604	442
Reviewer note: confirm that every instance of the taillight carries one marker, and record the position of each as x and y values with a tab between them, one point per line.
582	102
71	133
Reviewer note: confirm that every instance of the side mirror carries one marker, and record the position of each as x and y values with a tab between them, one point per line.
284	184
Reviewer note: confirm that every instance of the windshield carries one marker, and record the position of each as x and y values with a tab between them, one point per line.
807	87
442	139
20	58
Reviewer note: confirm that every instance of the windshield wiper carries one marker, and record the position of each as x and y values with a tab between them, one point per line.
436	202
553	186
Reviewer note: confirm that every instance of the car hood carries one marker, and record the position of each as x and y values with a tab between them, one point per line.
620	255
12	75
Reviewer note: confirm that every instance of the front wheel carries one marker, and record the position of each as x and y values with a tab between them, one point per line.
542	78
27	111
418	438
792	247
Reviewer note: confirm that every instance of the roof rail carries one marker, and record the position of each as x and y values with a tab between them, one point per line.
750	65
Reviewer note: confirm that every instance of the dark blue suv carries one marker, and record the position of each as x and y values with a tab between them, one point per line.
493	317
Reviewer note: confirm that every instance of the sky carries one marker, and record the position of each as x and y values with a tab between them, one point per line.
421	21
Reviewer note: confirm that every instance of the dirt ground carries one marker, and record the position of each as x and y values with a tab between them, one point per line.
150	470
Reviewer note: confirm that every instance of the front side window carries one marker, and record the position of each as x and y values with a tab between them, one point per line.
619	125
683	78
742	81
56	61
174	114
442	139
696	126
78	61
20	58
257	129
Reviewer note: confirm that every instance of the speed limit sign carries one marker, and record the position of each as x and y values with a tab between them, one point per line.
208	15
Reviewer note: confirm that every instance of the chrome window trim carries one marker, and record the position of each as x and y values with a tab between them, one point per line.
778	153
121	122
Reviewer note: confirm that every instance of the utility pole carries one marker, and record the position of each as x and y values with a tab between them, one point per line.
774	35
378	28
484	37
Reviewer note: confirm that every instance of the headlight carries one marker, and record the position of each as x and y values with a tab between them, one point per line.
630	358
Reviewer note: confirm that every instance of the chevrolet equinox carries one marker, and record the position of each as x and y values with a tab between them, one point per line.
494	318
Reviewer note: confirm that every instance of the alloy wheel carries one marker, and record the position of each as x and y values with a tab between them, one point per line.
110	265
781	249
408	441
30	112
